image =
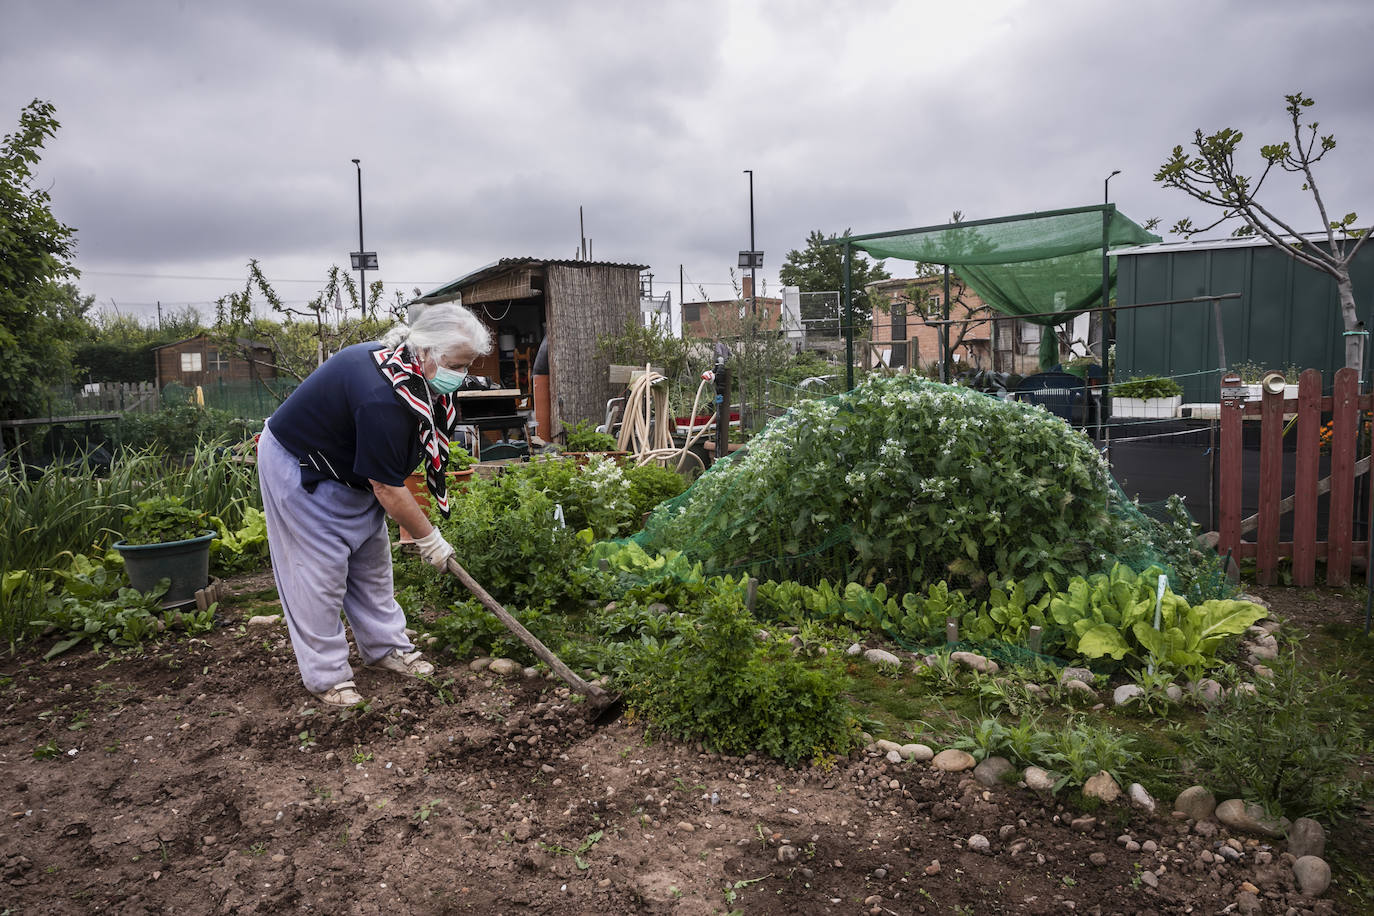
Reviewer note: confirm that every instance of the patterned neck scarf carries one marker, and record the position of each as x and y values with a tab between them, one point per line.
405	374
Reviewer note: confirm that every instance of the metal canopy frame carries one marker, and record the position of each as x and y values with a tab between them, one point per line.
1109	323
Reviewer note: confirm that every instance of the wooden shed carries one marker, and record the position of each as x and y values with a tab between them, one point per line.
573	303
200	361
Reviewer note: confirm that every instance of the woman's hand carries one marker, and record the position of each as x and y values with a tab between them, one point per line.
434	550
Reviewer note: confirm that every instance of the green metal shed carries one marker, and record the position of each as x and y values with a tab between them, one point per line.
1287	315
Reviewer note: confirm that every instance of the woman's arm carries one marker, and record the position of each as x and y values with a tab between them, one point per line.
401	505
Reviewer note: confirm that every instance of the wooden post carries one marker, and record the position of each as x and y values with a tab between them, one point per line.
1305	479
951	631
1035	635
751	592
1271	482
1344	418
1229	474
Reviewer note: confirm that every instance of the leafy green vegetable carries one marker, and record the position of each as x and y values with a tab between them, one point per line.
1147	387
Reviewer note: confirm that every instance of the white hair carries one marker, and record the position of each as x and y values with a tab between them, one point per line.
441	328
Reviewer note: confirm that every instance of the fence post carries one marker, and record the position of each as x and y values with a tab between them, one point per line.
1229	472
1305	479
1271	482
1344	418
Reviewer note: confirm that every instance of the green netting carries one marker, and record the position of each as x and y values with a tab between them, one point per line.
905	482
1022	266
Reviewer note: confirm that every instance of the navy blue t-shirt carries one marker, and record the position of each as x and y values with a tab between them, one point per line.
346	417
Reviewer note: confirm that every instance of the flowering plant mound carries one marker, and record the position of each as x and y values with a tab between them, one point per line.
902	481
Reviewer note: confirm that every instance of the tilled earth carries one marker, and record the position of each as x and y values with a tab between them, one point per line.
199	777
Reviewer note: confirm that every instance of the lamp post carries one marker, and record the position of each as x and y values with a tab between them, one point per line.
362	260
753	256
1105	198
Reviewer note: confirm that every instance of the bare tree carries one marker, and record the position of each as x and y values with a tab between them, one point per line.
1209	175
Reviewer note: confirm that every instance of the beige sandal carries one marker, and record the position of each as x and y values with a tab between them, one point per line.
341	695
404	663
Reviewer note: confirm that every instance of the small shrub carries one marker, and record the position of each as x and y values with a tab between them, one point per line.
738	695
583	437
1147	387
164	519
1288	746
651	485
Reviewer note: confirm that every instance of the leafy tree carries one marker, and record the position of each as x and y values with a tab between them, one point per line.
299	347
1209	175
40	316
820	267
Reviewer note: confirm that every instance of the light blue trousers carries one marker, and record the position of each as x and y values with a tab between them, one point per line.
330	551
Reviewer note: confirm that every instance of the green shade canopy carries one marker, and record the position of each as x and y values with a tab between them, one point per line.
1023	266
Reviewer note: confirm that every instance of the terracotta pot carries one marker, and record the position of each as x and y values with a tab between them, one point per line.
415	483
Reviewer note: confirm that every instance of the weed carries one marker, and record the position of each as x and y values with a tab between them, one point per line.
360	755
732	890
425	811
258	849
306	739
47	751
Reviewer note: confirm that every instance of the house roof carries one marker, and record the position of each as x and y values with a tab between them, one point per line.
1222	244
450	290
241	341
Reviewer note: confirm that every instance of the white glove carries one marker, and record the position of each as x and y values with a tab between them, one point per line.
434	549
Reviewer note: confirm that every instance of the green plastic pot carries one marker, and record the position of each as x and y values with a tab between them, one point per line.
185	563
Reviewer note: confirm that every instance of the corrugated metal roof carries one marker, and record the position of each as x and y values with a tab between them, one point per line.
1246	241
449	291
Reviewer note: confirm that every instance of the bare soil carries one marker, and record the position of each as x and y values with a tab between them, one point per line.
199	777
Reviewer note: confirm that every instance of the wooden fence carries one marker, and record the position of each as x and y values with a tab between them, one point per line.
1345	405
123	397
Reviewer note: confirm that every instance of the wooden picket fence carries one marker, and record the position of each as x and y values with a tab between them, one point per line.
121	397
1345	405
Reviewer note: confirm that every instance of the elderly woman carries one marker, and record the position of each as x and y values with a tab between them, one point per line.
332	464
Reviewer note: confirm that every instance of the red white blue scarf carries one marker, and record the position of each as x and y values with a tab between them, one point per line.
405	374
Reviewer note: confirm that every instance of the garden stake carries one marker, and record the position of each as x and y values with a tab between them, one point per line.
1035	634
1159	598
602	707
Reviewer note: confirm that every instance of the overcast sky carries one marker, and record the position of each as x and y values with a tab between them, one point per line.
196	135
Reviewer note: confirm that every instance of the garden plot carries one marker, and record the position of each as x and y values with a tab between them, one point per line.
192	777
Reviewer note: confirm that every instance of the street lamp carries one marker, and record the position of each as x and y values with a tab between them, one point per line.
1105	198
753	252
360	258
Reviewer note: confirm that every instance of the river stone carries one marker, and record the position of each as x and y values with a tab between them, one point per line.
1140	798
1196	802
1075	674
882	657
883	745
1126	693
979	843
1313	874
917	752
975	662
1239	816
1038	779
479	664
953	761
1264	648
1306	838
1074	685
1263	671
1102	786
505	667
854	649
1208	690
990	772
1174	693
894	757
264	620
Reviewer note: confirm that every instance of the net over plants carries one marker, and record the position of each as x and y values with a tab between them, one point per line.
905	482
